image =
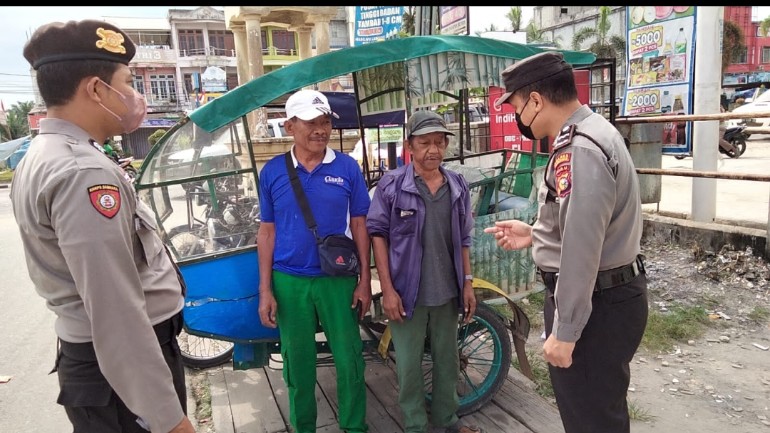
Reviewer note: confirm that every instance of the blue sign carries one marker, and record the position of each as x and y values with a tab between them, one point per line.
376	23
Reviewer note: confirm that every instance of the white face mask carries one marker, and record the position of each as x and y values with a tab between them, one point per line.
137	110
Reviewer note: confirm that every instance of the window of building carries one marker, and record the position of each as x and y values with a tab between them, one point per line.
150	38
765	55
264	41
162	87
222	42
191	43
139	83
337	29
283	41
743	56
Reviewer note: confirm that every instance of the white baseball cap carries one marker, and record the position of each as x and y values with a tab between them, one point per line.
308	104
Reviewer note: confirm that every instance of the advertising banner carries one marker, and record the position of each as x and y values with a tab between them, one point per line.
503	132
454	20
660	58
376	23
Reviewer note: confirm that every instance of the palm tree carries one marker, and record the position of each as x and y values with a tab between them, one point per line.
764	26
514	16
491	28
536	35
18	125
407	22
733	42
606	45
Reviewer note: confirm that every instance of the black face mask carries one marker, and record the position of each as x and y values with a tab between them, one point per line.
526	130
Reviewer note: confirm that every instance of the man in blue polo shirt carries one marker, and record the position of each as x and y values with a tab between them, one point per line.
293	290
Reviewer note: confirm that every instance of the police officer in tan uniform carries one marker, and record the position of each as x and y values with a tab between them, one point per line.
586	244
91	247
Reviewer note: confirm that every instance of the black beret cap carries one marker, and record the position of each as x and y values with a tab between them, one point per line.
531	70
78	40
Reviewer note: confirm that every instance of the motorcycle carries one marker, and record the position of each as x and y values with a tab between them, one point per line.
125	164
732	143
736	136
228	221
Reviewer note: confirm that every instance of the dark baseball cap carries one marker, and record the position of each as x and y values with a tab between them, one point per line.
78	40
424	122
531	70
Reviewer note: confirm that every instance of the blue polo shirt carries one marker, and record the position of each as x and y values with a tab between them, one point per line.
335	190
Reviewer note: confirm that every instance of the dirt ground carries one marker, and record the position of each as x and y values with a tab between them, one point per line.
719	382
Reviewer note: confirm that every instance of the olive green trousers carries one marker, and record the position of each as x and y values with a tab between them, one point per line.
440	325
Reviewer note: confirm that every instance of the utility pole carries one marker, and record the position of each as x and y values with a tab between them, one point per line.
708	76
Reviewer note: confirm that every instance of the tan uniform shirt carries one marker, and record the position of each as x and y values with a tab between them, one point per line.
594	224
93	254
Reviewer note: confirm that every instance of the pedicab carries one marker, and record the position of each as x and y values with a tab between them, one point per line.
201	180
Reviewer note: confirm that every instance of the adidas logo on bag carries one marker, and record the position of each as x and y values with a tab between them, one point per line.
340	261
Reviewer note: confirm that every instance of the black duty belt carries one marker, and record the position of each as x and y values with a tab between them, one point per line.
604	279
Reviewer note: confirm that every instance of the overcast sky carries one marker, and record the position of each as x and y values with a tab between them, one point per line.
17	23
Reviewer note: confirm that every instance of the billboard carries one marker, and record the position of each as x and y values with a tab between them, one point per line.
660	55
376	23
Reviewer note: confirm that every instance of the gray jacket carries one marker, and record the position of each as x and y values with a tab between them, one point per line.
594	224
94	255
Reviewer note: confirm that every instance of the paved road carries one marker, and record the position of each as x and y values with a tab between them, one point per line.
736	200
28	343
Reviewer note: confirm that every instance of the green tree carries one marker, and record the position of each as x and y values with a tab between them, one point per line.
407	22
18	124
514	16
491	28
764	26
155	136
605	44
733	42
536	35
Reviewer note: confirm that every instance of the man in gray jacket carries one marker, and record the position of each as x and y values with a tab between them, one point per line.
586	244
91	247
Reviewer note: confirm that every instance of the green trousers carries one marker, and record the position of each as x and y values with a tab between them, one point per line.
303	302
440	324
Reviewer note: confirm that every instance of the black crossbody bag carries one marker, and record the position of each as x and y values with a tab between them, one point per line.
338	253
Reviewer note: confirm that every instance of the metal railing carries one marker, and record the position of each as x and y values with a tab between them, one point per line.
705	174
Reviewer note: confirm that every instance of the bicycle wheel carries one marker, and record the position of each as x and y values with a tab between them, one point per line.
203	352
485	358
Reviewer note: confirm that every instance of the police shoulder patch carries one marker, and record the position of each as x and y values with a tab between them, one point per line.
105	199
562	166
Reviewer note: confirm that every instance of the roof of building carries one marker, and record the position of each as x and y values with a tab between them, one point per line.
134	23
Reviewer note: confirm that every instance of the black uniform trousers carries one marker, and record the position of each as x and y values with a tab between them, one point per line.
591	393
91	404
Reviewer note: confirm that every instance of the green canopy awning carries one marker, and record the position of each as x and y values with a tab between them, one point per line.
416	67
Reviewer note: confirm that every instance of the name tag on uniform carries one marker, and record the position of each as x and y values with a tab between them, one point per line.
406	213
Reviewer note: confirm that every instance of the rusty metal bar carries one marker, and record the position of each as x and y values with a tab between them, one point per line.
687	117
717	175
707	174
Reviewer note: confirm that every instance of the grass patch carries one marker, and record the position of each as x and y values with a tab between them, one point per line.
637	413
664	329
759	314
6	176
201	392
540	371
